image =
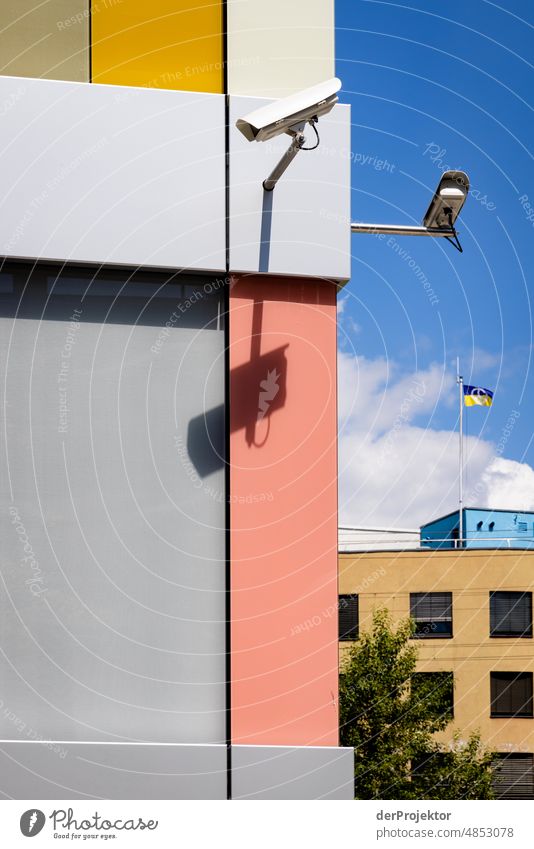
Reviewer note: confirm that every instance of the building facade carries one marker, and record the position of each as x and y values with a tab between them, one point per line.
473	615
168	334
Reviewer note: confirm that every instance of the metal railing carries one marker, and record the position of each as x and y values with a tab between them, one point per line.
444	542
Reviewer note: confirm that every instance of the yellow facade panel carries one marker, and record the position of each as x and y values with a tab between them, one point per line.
47	39
175	44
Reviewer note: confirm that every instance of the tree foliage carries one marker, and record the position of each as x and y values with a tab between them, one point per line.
390	714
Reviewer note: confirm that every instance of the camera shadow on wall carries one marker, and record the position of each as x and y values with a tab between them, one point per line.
257	390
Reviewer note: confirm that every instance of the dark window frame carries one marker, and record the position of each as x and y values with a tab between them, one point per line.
522	788
523	630
351	631
504	693
425	626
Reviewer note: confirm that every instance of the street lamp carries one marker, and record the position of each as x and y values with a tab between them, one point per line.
440	216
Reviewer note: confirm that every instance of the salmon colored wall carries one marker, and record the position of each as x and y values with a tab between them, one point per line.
283	479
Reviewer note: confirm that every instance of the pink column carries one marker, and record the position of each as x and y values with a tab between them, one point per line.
283	491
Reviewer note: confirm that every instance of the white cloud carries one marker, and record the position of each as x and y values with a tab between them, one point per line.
341	304
509	485
482	359
395	471
373	396
347	326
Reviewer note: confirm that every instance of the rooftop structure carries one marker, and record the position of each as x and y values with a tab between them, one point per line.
483	528
373	538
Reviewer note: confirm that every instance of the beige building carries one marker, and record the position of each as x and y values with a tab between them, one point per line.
473	609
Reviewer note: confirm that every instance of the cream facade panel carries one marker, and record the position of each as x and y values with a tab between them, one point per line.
276	48
95	173
303	226
45	39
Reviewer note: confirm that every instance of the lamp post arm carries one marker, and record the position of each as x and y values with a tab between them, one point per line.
402	230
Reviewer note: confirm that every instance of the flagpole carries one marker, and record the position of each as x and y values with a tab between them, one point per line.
460	382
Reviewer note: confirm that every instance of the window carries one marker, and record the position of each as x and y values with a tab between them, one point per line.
479	526
348	617
436	689
432	613
511	694
491	526
514	776
510	614
522	526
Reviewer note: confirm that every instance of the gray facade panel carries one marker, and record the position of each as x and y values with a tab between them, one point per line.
286	772
112	544
100	771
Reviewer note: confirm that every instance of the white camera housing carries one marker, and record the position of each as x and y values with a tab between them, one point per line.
448	200
290	113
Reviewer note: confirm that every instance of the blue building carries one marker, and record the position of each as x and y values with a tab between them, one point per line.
481	529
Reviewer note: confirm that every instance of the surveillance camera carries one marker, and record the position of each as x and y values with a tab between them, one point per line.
448	200
289	114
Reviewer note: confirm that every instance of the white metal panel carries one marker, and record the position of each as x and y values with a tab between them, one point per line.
379	539
303	226
95	173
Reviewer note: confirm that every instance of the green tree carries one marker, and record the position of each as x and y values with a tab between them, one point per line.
390	714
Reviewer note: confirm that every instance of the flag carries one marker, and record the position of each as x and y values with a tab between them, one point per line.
477	396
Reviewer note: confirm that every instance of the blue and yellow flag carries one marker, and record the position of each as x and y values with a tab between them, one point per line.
477	396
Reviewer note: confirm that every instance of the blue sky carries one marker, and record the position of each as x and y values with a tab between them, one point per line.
433	86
